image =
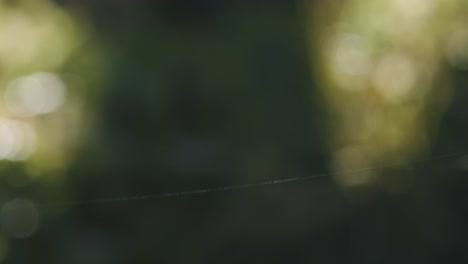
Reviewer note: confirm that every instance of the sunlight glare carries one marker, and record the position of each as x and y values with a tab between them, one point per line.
394	77
350	55
36	94
414	8
17	140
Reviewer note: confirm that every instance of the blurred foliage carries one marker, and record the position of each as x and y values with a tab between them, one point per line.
105	99
37	38
384	74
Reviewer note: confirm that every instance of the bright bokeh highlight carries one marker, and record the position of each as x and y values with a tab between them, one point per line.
39	93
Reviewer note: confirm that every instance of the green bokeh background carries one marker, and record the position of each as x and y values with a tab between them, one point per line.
184	95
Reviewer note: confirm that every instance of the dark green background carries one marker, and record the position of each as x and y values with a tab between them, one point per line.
197	94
